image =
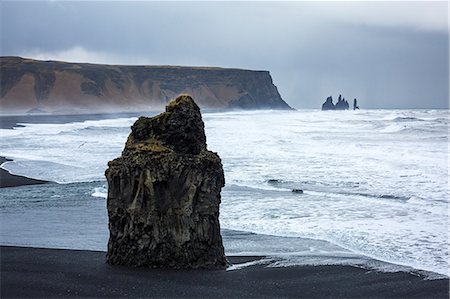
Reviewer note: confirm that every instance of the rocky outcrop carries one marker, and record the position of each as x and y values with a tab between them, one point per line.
164	194
328	105
52	86
355	104
341	104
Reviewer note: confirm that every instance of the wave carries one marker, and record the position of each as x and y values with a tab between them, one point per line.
95	130
406	119
403	128
319	188
355	176
284	251
101	192
424	119
393	129
58	172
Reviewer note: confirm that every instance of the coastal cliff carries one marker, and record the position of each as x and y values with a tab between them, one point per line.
164	194
28	84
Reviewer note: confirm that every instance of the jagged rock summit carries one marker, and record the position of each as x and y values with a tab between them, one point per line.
164	194
341	104
328	105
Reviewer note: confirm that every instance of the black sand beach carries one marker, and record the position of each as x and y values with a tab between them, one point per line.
11	180
33	272
14	121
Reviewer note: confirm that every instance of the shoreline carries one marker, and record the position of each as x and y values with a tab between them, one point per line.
11	180
13	121
79	273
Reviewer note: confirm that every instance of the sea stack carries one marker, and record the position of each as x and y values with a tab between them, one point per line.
328	105
341	104
164	194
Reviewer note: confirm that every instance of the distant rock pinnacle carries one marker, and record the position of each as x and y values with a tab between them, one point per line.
341	104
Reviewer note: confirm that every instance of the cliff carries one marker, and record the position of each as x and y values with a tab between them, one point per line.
164	194
50	85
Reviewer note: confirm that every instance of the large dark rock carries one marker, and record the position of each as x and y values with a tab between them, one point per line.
164	194
328	105
341	104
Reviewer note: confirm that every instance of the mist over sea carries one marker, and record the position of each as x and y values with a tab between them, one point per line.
375	185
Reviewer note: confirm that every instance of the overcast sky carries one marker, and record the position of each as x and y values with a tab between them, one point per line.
386	54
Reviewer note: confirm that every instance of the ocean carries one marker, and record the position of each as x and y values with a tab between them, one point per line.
375	185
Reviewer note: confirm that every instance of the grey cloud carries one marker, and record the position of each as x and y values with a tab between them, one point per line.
389	55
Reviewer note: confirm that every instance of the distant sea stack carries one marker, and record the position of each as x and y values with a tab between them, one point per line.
341	104
54	86
164	194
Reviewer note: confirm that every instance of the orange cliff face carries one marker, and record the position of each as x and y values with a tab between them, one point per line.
53	86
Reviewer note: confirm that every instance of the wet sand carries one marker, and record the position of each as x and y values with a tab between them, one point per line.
33	272
11	180
14	121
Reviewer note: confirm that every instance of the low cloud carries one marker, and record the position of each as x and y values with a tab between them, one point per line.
415	15
390	54
81	55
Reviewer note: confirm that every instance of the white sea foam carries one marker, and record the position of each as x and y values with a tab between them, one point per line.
101	192
393	128
263	261
375	182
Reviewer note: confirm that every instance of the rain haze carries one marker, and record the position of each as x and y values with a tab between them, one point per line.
386	54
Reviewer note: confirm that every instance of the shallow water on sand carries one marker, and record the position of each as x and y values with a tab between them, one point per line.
375	183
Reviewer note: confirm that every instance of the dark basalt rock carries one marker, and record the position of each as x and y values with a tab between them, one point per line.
164	194
341	104
299	191
328	105
355	104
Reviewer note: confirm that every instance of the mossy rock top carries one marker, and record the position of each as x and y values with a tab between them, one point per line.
179	129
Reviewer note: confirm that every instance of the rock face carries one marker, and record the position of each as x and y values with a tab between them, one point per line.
328	105
164	194
53	86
